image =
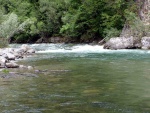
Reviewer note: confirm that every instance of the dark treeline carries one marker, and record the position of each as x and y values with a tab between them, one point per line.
74	20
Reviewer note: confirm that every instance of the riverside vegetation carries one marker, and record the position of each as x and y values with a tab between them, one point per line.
136	31
30	21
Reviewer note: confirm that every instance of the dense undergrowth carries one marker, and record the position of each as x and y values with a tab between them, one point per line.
24	21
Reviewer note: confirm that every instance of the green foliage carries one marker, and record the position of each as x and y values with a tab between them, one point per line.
112	32
5	71
11	26
93	19
80	20
3	42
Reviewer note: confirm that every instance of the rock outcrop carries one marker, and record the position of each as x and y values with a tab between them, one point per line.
137	34
122	43
128	43
139	27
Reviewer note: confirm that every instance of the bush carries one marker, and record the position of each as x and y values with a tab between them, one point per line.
3	42
112	32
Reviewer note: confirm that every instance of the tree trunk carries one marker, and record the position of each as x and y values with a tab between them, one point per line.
141	26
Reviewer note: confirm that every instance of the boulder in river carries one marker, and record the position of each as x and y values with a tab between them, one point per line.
123	43
30	51
25	47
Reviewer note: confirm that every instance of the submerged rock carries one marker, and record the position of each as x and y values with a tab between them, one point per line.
7	75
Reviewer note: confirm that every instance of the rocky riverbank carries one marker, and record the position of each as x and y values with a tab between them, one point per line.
128	43
9	56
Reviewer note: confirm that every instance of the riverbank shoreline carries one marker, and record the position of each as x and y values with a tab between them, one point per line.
128	43
9	58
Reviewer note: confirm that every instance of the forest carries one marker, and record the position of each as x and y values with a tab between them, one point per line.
26	21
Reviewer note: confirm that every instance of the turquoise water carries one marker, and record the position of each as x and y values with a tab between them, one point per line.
80	79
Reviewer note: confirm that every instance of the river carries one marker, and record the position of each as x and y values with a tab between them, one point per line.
80	79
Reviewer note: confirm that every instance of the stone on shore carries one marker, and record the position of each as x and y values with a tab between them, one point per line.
3	62
119	43
19	51
17	55
12	65
123	43
25	47
10	56
7	56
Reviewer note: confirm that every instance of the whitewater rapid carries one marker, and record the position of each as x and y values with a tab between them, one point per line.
80	48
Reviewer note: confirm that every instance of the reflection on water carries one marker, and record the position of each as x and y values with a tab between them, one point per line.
76	82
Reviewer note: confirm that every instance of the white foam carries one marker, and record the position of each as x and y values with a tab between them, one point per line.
80	48
62	48
75	49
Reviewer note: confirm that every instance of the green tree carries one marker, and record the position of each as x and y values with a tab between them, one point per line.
89	20
77	20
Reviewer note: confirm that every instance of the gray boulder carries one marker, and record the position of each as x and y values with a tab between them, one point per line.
17	55
25	47
145	41
31	51
4	55
3	62
12	65
22	67
19	51
10	56
122	43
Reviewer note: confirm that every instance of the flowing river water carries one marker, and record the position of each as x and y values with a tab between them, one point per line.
80	79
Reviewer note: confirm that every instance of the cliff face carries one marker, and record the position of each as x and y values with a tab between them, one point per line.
141	26
145	12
